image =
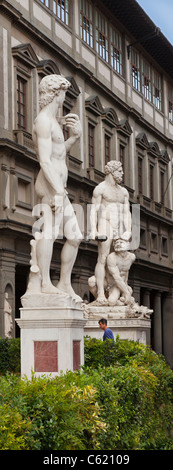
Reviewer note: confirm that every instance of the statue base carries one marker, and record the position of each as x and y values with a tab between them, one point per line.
120	320
51	339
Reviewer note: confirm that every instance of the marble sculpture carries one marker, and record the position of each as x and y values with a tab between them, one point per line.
50	186
110	217
111	225
8	322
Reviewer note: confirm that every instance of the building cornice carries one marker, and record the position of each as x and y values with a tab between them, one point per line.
20	150
10	11
154	267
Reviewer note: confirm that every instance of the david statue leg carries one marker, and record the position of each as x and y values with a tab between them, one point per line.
68	257
69	251
44	250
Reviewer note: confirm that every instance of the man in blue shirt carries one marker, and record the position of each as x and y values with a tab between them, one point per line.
107	331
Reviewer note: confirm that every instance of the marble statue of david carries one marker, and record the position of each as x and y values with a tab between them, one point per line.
51	149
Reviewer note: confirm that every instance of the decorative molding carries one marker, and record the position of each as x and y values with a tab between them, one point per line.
50	323
110	117
164	156
48	67
21	151
74	162
95	175
142	141
73	91
93	104
23	138
10	10
26	54
154	149
124	127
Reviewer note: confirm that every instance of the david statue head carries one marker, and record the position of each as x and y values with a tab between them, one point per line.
52	87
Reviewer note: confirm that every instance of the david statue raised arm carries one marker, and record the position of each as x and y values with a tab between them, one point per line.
51	149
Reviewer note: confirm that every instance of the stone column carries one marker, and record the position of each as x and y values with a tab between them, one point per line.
168	328
146	303
51	5
136	291
157	319
146	298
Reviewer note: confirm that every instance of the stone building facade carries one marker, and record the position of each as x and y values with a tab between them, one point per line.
121	72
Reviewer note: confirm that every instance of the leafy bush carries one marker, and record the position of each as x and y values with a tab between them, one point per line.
50	414
100	353
142	383
126	405
14	431
9	355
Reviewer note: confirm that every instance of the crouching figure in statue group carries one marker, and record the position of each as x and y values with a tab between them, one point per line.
111	224
111	217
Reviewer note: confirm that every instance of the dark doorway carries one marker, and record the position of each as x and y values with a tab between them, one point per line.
21	279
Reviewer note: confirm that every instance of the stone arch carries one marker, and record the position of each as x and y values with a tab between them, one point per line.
48	67
110	117
9	290
154	147
8	319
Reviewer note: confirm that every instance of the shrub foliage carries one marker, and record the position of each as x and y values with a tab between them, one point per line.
9	355
121	399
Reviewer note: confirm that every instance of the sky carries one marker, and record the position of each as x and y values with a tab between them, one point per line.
161	13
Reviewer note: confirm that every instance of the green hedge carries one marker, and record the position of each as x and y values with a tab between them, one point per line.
9	355
126	405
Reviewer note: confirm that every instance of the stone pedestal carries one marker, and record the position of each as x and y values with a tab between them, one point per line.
51	337
131	328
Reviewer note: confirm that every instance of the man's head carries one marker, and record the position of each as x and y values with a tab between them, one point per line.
115	169
121	245
103	323
51	86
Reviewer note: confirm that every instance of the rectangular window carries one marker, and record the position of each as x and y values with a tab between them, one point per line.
116	51
86	22
170	103
142	238
171	110
154	242
140	185
136	78
61	10
162	187
91	153
21	103
146	80
46	3
122	159
164	246
102	37
157	90
107	148
151	181
66	130
24	191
